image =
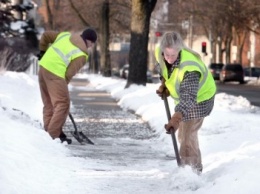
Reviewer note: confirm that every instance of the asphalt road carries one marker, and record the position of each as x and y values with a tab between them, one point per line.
249	91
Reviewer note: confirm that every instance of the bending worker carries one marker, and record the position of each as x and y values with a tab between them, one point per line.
62	55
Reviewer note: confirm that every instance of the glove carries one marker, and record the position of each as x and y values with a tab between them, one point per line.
40	54
174	122
162	88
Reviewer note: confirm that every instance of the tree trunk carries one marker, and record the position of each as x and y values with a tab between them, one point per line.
229	38
213	51
228	50
105	55
240	45
93	61
138	54
220	51
49	15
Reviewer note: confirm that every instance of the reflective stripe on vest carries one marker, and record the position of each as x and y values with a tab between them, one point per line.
207	87
59	55
66	58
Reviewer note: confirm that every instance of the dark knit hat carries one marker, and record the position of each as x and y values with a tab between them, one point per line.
89	34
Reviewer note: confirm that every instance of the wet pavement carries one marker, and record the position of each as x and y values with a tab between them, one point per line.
124	144
115	132
98	115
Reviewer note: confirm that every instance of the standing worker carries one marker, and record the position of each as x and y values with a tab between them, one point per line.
61	56
189	82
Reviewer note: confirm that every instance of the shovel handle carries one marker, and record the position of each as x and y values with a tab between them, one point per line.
174	141
73	122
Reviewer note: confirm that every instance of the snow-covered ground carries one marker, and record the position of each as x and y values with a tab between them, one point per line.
31	162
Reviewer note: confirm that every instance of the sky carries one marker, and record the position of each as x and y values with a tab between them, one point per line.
31	162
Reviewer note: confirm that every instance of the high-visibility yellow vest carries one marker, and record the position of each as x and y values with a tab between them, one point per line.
59	55
189	62
157	53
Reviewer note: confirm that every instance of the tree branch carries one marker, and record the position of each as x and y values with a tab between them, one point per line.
78	13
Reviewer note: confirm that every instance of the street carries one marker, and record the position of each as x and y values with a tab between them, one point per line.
249	91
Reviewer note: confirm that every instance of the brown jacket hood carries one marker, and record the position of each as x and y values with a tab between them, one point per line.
78	42
76	64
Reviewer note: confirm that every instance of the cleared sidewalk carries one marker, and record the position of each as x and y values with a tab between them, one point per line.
98	115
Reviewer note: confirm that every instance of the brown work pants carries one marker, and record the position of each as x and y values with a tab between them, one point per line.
189	144
56	101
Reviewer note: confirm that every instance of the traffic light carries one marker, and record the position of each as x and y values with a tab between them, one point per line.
204	47
158	34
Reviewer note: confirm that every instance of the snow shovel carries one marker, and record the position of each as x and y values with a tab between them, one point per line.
171	130
79	135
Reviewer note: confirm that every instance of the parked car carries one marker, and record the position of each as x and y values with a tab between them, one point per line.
123	72
215	69
252	71
232	72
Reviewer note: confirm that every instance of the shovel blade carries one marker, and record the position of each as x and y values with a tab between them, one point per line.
85	138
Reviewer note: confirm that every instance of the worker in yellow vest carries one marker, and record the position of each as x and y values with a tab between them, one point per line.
189	82
61	56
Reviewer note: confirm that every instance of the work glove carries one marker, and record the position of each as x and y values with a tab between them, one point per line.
173	123
40	54
162	89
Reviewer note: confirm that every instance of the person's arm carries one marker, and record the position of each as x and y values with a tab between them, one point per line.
48	37
188	92
74	67
188	98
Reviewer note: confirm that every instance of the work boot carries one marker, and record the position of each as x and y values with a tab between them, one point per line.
63	138
197	169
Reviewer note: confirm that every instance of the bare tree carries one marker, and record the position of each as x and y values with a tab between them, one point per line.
80	14
140	23
227	23
105	57
52	7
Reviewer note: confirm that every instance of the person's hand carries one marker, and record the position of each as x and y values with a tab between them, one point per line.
40	54
174	122
162	89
